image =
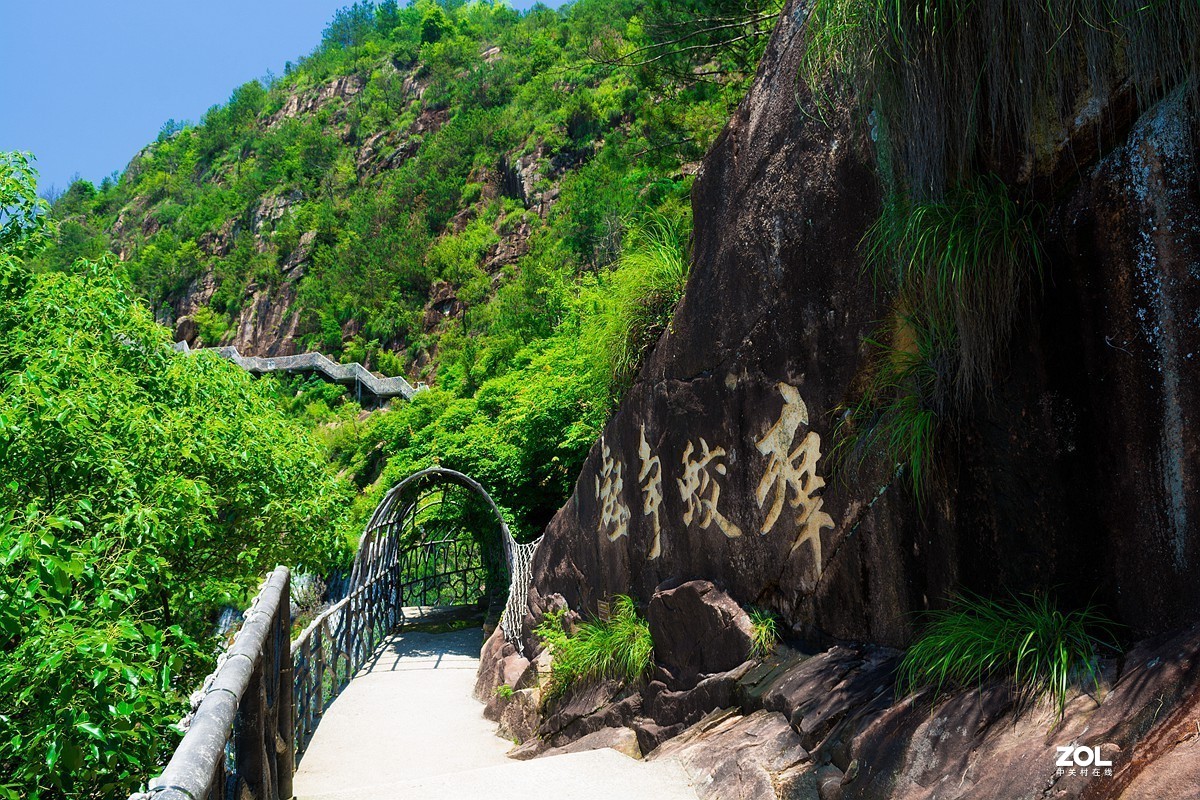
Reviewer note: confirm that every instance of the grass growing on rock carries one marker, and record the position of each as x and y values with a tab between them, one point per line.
619	647
1027	641
958	270
950	82
764	632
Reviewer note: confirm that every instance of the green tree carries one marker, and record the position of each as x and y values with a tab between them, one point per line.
142	489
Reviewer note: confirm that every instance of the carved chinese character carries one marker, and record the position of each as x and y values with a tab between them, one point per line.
791	475
614	513
650	479
700	491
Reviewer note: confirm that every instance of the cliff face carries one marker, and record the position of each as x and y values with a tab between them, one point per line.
1077	473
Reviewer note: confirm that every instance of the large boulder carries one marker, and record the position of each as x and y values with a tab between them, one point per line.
492	663
698	630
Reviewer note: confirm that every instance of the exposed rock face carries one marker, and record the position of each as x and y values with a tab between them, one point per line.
1128	241
698	629
730	417
391	148
829	726
1078	473
306	103
731	757
267	323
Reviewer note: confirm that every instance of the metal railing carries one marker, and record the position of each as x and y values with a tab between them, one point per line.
256	714
239	740
345	374
335	645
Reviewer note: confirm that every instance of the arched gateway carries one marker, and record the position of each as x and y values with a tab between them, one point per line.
443	536
437	539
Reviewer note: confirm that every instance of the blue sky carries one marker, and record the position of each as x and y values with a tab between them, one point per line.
85	84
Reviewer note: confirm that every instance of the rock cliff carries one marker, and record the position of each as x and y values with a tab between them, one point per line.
1078	472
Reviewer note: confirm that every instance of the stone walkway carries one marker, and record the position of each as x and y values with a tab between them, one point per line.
408	727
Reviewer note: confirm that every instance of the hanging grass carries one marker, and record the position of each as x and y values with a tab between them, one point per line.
964	263
950	82
958	270
950	89
642	294
619	648
1027	642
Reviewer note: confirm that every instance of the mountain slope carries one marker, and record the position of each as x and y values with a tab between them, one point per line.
420	159
490	202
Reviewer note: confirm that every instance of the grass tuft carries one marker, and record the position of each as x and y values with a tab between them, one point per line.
897	415
765	632
619	648
963	263
1038	649
642	294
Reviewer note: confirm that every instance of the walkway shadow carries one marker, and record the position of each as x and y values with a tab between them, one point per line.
415	650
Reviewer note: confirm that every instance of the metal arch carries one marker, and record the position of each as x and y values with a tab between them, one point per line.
258	711
379	552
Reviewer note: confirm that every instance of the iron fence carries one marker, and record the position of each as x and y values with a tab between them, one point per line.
255	716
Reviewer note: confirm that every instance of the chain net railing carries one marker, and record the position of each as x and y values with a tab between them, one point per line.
521	570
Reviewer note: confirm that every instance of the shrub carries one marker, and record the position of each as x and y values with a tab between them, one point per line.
1026	642
211	326
765	632
140	490
619	648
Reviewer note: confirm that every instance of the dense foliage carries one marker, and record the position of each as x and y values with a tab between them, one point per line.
532	168
492	202
142	490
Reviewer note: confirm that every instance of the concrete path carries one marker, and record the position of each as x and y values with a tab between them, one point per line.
408	727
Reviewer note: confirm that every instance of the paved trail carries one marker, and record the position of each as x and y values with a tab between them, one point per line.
408	727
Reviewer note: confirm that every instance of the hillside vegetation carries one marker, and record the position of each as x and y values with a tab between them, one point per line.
491	202
141	490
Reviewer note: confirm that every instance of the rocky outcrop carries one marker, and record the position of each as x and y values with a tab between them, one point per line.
388	149
830	726
1127	246
309	102
1078	472
698	630
733	757
268	320
713	466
